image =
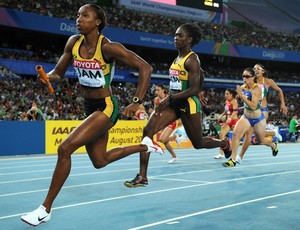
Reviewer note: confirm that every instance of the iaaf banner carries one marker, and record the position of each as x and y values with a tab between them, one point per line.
124	133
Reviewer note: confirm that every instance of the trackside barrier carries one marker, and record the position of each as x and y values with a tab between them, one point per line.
22	137
44	137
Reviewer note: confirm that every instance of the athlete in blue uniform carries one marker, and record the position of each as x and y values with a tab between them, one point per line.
251	95
265	84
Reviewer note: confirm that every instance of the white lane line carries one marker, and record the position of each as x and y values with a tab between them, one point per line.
65	187
149	193
242	166
110	199
159	178
213	210
183	180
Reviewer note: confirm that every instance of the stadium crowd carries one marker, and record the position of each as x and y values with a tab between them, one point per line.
18	92
120	17
17	95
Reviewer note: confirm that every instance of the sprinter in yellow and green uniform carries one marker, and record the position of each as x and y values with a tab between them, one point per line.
93	57
186	82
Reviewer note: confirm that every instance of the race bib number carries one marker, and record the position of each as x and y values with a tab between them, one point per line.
89	73
175	83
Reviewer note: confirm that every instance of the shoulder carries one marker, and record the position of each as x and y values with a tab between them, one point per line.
257	87
74	38
269	82
112	49
257	90
234	101
71	41
105	40
193	56
192	59
108	44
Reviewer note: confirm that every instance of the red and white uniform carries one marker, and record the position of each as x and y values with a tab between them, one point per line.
156	102
229	111
141	115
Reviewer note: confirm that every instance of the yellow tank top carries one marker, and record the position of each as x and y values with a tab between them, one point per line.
93	72
179	75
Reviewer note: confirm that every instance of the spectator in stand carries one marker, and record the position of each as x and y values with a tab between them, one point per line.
164	24
293	127
34	113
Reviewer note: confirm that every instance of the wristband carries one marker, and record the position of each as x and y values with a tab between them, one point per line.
136	100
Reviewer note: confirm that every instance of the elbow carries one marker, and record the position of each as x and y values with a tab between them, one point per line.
149	68
253	107
195	91
144	68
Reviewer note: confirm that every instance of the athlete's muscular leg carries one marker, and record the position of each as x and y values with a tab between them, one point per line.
247	141
84	134
164	138
101	157
239	130
193	127
260	129
224	131
268	132
156	122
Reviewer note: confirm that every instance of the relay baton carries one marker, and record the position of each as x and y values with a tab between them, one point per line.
39	69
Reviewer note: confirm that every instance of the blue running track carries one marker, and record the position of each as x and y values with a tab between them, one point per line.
197	192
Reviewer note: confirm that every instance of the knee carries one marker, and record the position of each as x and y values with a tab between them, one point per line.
261	142
62	151
66	148
163	140
198	147
238	135
221	135
99	164
100	161
198	144
235	135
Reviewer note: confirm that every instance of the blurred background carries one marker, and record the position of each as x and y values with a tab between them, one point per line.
235	34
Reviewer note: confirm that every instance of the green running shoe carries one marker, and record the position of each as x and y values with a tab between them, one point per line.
229	163
275	150
138	181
